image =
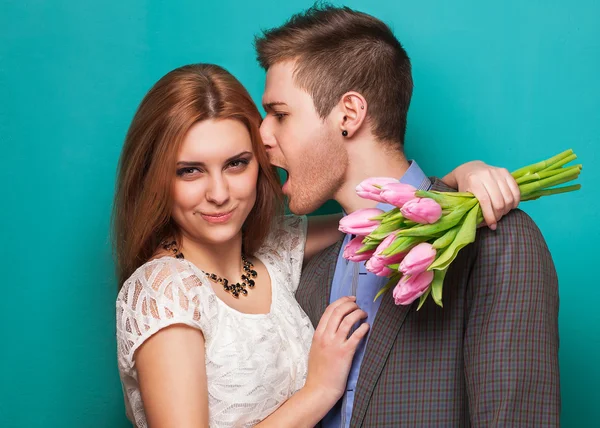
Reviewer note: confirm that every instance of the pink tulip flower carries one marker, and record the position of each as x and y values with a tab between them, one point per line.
371	187
351	249
397	194
359	222
422	210
418	259
410	288
378	263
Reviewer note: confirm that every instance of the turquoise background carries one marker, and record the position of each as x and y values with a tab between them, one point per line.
507	82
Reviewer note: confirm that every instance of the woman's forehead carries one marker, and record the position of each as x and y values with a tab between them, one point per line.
216	139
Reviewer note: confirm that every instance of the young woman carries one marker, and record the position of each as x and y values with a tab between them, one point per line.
208	330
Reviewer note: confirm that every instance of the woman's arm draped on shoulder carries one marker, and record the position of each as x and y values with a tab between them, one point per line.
495	188
322	233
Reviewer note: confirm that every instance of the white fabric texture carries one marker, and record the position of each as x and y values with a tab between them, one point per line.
254	362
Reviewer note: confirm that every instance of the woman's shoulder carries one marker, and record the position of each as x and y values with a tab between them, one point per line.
144	271
159	275
287	232
163	291
291	222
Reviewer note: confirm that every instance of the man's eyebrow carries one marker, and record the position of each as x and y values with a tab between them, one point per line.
269	106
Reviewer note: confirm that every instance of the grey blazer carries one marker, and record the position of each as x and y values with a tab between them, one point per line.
489	358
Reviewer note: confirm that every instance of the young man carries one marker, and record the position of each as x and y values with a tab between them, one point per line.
337	94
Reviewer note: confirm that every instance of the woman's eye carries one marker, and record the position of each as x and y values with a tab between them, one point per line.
238	163
279	116
182	172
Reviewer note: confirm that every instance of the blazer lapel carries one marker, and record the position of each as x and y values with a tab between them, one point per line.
315	283
384	331
324	290
388	321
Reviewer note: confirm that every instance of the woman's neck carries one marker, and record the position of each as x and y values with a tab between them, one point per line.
223	259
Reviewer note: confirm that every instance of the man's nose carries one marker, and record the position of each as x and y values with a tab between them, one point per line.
266	134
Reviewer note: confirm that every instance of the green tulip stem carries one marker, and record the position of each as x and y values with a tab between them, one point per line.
533	168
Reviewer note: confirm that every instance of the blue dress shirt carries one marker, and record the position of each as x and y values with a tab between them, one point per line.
352	279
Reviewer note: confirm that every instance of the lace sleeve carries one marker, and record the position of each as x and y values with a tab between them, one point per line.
159	294
285	247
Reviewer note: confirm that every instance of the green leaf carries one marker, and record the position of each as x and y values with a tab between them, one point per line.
465	236
457	194
437	286
386	215
384	229
391	283
392	216
447	238
403	243
444	223
367	247
423	297
445	199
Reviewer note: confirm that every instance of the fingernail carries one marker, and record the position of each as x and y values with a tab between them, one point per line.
493	227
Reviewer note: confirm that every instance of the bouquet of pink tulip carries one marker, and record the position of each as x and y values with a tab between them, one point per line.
415	243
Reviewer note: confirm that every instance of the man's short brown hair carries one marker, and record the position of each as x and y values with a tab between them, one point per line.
337	50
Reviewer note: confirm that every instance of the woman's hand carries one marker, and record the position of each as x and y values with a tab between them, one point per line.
496	190
333	348
329	363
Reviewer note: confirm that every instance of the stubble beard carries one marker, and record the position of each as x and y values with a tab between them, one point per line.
321	175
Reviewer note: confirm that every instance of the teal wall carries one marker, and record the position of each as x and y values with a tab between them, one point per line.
506	82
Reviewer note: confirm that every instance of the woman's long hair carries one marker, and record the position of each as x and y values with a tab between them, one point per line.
143	199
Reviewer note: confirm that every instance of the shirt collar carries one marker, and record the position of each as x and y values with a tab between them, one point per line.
414	176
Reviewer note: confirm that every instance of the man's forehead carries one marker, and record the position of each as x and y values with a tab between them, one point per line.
282	70
279	83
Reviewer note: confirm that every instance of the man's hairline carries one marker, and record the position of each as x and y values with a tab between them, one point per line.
295	69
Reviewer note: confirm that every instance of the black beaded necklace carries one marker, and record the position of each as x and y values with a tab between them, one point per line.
236	289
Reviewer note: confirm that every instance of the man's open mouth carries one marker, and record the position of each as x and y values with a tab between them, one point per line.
284	179
283	175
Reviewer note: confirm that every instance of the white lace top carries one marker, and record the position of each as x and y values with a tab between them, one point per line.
254	362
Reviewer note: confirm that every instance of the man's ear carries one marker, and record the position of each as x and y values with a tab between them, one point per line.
353	112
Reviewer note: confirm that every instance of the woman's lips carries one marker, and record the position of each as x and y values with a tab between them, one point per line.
217	217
